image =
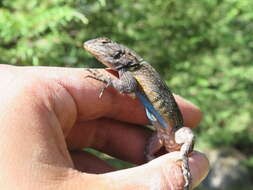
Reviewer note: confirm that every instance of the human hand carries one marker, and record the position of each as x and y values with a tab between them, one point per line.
48	115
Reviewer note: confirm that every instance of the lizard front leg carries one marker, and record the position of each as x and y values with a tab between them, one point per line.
185	137
126	83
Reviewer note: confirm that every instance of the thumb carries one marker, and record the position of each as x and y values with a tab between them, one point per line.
163	173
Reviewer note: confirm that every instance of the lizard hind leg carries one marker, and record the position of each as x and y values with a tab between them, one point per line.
152	147
154	143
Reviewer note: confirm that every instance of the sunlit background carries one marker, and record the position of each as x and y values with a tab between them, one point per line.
202	48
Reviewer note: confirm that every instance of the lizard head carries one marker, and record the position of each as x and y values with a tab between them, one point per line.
111	54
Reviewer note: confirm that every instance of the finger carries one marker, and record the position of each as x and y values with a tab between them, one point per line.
198	163
89	163
118	139
85	92
191	113
199	166
122	140
164	172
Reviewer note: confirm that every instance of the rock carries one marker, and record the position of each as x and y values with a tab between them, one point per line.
226	171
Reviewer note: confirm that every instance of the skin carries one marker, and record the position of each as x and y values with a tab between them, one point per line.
48	115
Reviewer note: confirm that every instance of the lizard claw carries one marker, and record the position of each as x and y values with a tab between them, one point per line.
98	76
102	92
103	89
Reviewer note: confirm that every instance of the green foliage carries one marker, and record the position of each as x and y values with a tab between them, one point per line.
115	163
37	33
203	48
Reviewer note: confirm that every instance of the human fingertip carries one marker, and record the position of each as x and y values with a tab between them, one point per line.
199	166
191	113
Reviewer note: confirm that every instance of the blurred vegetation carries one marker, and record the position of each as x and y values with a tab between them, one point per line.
203	49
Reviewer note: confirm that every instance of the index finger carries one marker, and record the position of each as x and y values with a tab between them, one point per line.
113	104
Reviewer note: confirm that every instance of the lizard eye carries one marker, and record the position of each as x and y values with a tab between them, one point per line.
117	54
104	40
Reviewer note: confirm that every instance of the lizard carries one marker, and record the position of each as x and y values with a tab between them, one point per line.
139	77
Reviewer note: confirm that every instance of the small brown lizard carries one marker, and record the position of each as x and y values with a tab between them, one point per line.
139	77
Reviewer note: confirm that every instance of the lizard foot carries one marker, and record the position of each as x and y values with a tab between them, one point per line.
100	77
